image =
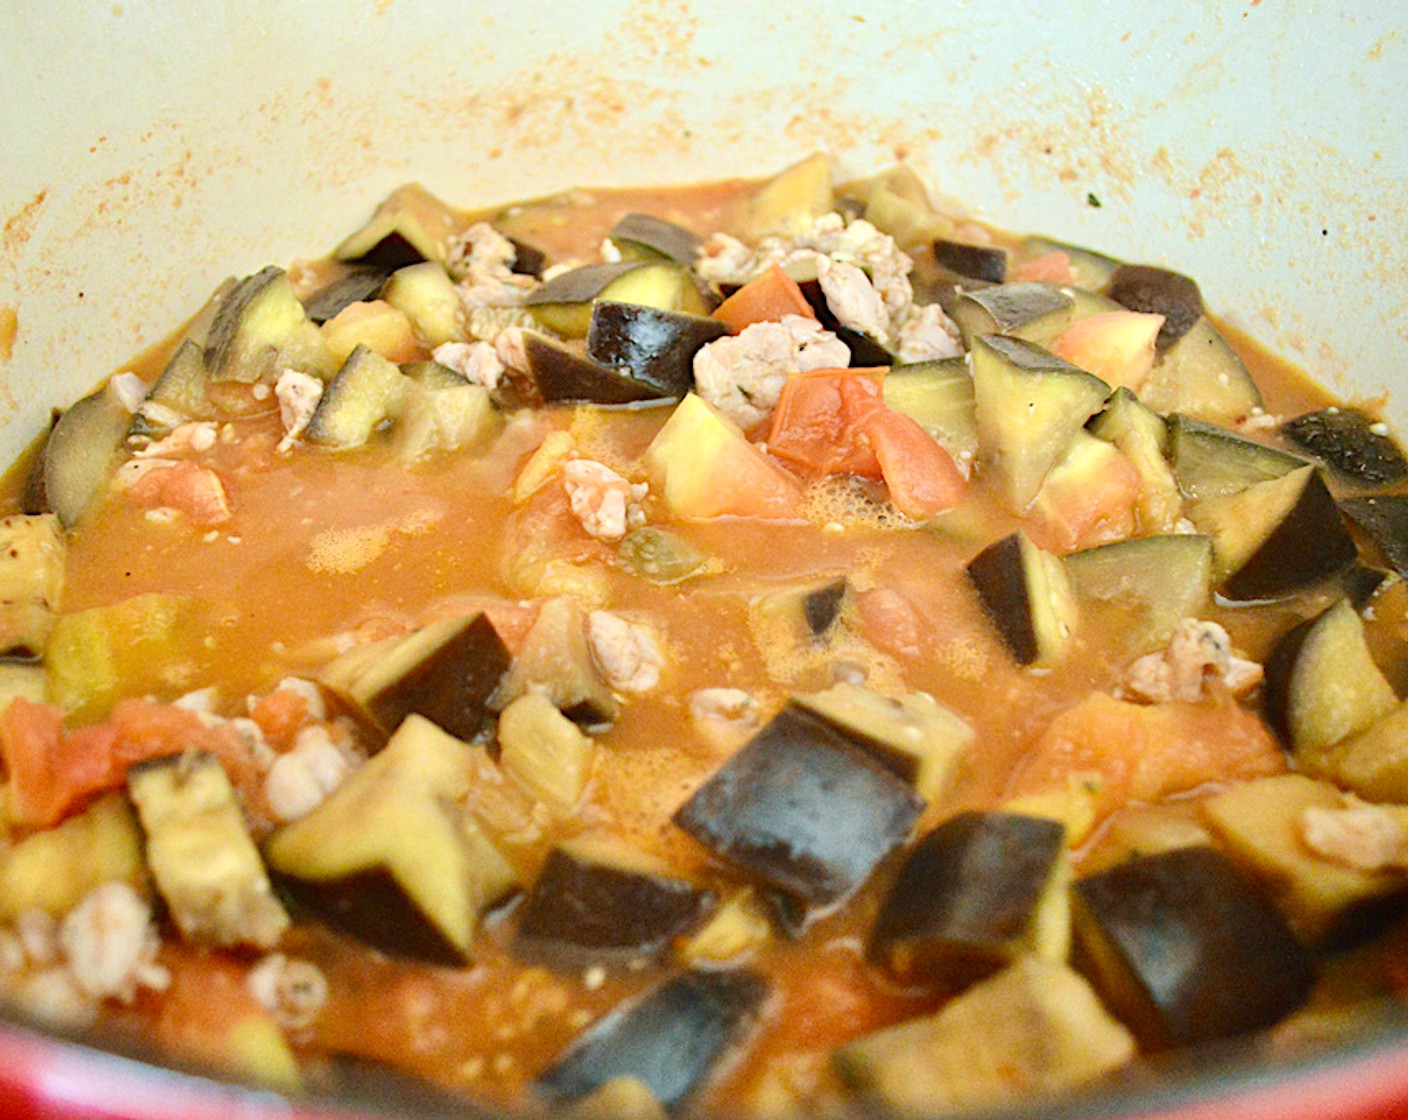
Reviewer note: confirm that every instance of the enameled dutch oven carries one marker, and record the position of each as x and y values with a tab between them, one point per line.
146	148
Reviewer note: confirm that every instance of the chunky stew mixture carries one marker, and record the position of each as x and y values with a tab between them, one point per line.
767	649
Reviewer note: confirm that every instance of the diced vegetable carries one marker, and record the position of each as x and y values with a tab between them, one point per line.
819	422
939	397
392	857
1090	270
598	900
366	394
375	325
1116	346
555	659
977	262
1027	594
1033	1029
1185	949
1156	582
1030	405
653	346
78	457
913	735
645	237
445	671
922	478
32	550
561	373
660	556
564	304
544	751
704	467
1202	376
1034	313
426	295
411	225
1372	763
737	929
766	298
669	1040
1212	462
1275	537
1322	684
206	867
1090	496
260	328
450	417
179	393
789	202
1383	518
1157	291
52	870
802	808
972	897
136	646
354	284
1351	442
1141	434
1327	903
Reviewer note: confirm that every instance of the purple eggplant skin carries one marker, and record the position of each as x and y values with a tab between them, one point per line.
527	259
372	907
966	897
998	573
821	607
804	808
358	283
452	686
1383	518
562	374
652	346
670	1040
660	236
581	911
1311	543
1345	439
976	262
1186	949
1157	291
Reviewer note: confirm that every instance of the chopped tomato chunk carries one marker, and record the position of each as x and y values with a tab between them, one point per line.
195	491
818	425
1052	268
765	298
922	477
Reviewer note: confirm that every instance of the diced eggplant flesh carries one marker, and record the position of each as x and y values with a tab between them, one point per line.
803	808
654	347
1354	444
669	1040
556	658
659	556
913	735
446	671
1210	461
1158	580
32	553
656	237
77	458
1383	518
1035	313
560	374
410	225
1327	903
254	321
201	855
1322	684
975	894
179	393
1032	1030
938	396
980	262
355	285
1202	376
591	903
1028	596
1185	948
1157	291
1275	537
364	396
392	856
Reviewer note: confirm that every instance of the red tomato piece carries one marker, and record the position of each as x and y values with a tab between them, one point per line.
818	425
922	477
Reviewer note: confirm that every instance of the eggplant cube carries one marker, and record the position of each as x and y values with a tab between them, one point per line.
803	808
445	671
653	346
912	735
599	901
205	865
1275	537
1028	595
1352	443
975	894
392	857
561	373
1034	1028
1185	949
669	1040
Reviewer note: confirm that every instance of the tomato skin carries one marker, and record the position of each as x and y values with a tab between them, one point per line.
922	477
